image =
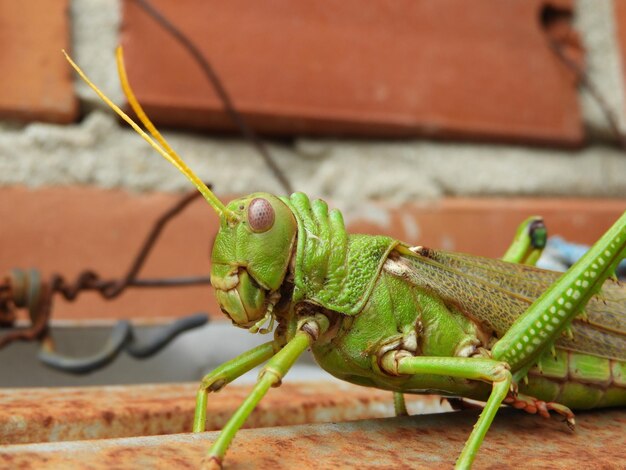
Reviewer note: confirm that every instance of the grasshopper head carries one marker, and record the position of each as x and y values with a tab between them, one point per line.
257	233
251	255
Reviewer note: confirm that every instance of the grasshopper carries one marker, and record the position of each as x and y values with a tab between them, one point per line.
380	313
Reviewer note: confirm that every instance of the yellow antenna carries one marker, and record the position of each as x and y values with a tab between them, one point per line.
132	100
169	155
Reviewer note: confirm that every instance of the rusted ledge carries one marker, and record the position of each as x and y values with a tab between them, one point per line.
515	439
63	414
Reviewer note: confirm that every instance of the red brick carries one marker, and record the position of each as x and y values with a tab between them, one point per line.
485	226
35	82
66	230
444	68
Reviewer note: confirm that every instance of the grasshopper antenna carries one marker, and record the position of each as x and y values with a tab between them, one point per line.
134	103
168	154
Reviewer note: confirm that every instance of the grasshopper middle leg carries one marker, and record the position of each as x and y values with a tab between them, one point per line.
399	404
489	370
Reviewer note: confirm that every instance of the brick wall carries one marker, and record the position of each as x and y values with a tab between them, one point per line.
435	105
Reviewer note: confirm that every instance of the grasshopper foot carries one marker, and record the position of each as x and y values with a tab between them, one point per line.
211	462
533	406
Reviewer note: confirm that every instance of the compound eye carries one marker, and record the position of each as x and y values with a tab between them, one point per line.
260	215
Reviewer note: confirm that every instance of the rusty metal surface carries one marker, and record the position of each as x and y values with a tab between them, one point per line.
29	415
430	441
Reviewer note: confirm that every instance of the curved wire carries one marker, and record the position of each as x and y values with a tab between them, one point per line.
122	338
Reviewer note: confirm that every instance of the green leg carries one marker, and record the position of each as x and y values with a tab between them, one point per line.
530	240
225	374
399	404
544	321
270	376
398	363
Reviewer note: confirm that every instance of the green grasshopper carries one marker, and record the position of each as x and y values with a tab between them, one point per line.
380	313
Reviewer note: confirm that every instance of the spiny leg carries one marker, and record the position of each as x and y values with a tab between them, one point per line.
529	241
270	376
400	363
226	373
545	320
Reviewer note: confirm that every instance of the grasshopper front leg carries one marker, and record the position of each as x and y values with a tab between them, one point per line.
226	373
270	376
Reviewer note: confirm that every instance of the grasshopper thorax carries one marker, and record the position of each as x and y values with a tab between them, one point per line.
251	257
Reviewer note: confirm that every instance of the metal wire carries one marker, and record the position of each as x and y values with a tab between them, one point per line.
26	289
109	289
122	338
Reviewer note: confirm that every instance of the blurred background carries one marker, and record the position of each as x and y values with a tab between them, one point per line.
442	123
